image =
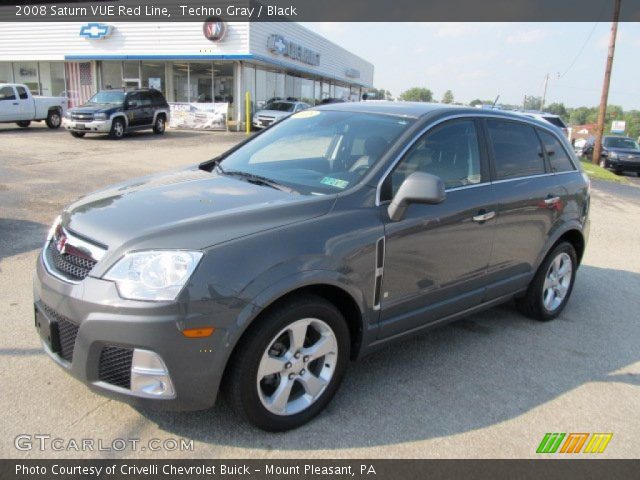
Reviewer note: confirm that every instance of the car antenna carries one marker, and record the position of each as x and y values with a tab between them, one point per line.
494	102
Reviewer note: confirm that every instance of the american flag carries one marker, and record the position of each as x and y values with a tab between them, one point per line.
79	82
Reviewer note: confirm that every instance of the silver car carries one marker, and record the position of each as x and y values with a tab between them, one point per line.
276	111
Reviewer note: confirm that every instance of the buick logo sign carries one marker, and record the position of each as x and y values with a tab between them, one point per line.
214	29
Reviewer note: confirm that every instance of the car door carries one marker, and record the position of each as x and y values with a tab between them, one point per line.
27	106
134	109
9	104
530	201
436	257
148	109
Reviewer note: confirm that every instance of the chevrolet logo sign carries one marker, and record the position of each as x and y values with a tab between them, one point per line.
95	30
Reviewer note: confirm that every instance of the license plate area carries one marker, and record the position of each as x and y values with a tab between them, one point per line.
48	331
80	126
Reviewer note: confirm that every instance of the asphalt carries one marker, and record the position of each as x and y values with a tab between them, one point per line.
488	386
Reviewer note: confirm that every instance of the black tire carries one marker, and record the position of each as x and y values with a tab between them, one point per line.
618	172
637	174
160	125
77	134
532	304
54	119
23	123
117	129
241	380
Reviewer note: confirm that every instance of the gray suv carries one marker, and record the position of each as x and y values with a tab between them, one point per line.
262	272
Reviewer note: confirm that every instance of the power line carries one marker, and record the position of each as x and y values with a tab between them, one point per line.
580	51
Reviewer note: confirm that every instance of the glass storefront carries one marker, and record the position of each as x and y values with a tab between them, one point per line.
153	76
42	78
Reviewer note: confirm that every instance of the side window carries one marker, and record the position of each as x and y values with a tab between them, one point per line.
134	97
146	99
7	93
516	149
449	151
557	155
22	93
158	99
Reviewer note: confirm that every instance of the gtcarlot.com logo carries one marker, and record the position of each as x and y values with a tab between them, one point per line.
574	442
45	443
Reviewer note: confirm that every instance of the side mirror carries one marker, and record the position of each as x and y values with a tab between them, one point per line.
419	187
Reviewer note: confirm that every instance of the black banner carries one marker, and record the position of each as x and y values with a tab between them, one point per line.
319	469
318	11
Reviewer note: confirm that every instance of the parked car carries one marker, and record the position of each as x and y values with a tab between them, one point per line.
333	233
117	112
619	154
18	105
327	101
551	118
276	111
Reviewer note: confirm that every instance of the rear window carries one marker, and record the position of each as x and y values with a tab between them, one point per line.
558	158
557	121
516	149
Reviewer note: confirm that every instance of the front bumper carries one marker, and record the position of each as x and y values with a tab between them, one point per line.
102	320
94	126
625	165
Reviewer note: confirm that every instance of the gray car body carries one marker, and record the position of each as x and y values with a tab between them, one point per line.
262	244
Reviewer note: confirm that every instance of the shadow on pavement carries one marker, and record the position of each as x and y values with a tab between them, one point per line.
19	236
483	370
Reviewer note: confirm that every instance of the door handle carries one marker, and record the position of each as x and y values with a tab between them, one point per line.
551	200
484	216
16	103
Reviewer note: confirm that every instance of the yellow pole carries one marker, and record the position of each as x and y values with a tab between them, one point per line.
247	109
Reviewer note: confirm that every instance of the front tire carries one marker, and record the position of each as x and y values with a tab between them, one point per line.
54	120
117	129
160	125
289	365
552	284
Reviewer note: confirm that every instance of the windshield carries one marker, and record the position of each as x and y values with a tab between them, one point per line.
318	152
621	142
280	106
115	97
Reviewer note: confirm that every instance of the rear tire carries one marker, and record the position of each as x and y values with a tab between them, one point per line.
550	288
54	120
23	123
618	172
637	174
117	129
160	125
278	377
77	134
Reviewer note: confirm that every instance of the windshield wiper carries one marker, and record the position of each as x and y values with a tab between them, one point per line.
257	179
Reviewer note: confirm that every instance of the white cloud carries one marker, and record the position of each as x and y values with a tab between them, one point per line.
455	29
528	36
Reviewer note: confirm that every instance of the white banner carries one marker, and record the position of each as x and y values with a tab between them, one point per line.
199	116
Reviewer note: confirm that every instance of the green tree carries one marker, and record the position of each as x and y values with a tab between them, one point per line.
557	109
378	94
417	94
447	97
580	115
477	101
532	103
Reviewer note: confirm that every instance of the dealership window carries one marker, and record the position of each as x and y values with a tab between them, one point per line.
201	82
261	88
342	92
131	70
317	92
249	76
153	76
111	75
181	82
27	73
306	90
326	93
52	78
280	80
6	73
223	82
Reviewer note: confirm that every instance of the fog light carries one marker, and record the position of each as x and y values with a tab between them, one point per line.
149	375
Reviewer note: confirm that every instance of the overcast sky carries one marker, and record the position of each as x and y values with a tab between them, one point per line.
482	60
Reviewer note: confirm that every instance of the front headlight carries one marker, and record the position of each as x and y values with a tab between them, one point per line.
156	275
613	155
100	116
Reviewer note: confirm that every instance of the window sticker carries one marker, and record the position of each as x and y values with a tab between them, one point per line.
306	114
334	182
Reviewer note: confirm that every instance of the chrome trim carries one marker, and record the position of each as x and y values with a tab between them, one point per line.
528	120
94	251
379	271
526	177
483	217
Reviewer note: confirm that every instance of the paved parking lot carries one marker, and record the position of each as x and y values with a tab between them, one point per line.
488	386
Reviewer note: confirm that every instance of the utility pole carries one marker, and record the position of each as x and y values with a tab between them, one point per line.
544	92
597	147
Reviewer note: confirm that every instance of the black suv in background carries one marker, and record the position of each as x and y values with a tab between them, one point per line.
116	112
619	154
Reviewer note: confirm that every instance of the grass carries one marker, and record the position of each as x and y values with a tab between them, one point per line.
599	173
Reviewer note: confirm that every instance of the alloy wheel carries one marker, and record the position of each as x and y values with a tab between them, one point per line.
296	367
557	281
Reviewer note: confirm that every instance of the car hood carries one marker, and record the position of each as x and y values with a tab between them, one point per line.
273	113
186	209
623	151
99	108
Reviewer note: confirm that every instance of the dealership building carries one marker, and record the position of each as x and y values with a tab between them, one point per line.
191	62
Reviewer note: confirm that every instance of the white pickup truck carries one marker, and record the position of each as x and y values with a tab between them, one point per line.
19	106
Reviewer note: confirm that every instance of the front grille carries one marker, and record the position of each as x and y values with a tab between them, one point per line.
115	366
67	333
72	266
82	117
